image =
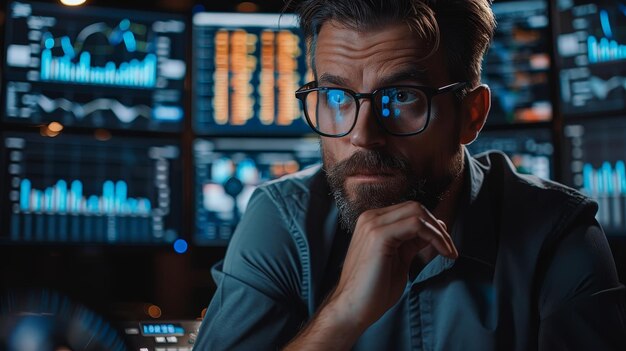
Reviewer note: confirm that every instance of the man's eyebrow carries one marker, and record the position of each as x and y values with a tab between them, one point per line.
326	79
412	75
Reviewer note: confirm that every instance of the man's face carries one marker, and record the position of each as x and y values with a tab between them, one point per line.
369	168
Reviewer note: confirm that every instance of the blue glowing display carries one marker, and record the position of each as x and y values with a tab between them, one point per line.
162	329
75	189
97	68
591	47
595	165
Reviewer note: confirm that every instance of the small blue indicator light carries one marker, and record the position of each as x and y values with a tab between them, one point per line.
180	246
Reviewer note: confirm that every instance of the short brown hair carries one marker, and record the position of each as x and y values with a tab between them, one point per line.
463	28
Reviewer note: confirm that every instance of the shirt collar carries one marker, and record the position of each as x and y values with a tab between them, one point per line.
473	233
474	230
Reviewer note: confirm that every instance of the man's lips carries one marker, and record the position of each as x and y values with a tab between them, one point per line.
370	176
374	172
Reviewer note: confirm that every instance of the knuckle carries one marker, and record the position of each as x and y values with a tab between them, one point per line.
365	224
367	215
415	206
415	222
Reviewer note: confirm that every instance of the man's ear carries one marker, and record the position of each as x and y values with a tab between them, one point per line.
475	108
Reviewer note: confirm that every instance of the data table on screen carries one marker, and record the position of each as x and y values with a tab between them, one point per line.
93	67
77	190
246	69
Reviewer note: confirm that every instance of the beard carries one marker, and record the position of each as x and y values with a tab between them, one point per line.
404	185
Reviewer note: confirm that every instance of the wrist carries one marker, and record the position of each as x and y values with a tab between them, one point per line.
340	314
332	328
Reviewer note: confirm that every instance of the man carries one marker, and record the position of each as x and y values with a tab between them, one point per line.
402	241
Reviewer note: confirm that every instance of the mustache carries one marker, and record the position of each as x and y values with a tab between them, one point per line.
368	162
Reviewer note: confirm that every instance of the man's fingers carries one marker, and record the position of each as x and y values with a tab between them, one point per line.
415	216
442	237
411	228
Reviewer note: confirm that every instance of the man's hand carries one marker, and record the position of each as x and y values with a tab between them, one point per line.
375	272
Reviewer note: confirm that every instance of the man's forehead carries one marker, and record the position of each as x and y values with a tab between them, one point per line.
394	32
389	54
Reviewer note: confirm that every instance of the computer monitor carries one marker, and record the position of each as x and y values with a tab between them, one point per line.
89	190
246	69
531	150
593	162
517	65
591	47
227	171
93	67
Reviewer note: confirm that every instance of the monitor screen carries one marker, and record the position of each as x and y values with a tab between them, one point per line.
94	67
517	65
78	189
595	152
228	171
591	47
530	150
246	69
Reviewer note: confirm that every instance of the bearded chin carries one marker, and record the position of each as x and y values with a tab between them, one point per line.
354	199
353	202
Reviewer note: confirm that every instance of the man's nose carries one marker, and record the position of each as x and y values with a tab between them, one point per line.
367	133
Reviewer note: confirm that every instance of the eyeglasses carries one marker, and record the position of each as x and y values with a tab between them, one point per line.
401	110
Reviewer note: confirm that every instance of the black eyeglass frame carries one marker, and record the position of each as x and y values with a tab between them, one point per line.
430	92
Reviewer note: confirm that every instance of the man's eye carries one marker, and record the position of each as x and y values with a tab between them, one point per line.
404	96
336	97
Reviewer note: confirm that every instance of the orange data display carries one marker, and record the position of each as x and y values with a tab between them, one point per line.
246	70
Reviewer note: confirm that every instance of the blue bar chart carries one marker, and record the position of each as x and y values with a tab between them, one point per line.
61	199
607	184
606	48
77	190
94	68
135	73
596	166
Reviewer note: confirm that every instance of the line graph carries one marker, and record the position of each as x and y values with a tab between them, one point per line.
602	88
125	114
126	32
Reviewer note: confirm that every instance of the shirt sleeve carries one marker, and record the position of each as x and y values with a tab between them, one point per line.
581	302
256	305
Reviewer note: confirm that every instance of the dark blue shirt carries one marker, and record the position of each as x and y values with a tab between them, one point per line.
535	271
